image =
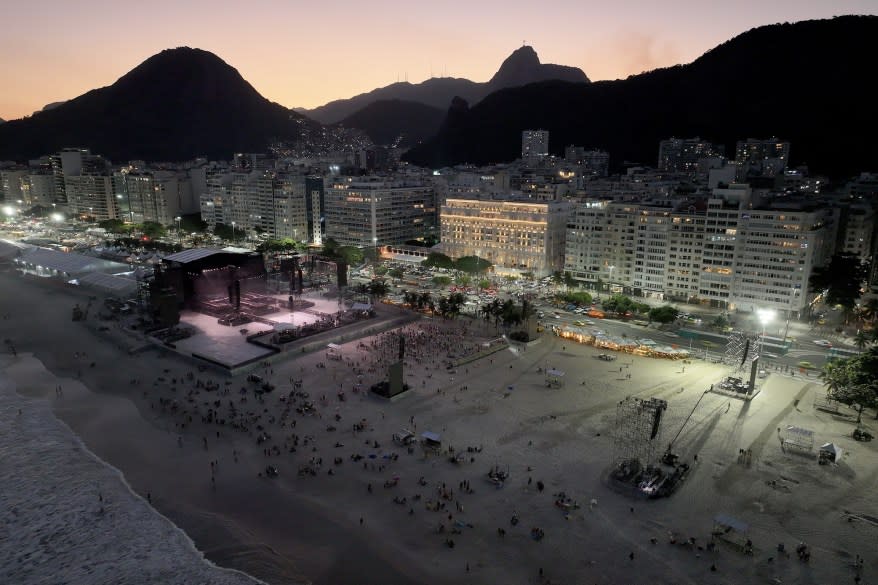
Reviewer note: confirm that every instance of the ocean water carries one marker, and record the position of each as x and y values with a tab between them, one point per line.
67	517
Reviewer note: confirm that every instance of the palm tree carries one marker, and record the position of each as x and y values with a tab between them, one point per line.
425	301
869	309
834	376
862	339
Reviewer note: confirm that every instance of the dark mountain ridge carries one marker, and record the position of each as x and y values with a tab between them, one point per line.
386	120
176	105
803	82
521	67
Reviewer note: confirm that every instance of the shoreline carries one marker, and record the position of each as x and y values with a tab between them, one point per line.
229	538
36	421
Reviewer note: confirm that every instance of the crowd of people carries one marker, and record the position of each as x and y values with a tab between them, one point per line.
307	427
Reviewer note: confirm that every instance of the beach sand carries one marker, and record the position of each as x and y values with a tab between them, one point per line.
299	528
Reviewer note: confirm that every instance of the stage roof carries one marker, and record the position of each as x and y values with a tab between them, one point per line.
69	262
108	283
191	255
11	249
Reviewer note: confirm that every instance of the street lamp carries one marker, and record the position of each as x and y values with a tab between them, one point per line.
765	316
789	314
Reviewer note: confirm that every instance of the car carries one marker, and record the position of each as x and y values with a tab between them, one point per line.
579	323
822	343
606	357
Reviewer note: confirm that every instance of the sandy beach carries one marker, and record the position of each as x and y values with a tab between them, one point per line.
329	519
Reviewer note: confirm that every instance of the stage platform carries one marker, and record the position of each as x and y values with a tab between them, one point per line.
228	348
222	345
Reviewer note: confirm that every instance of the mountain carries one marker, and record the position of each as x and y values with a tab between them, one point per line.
520	68
523	66
176	105
51	106
802	82
386	120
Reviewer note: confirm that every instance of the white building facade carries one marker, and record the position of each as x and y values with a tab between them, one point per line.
514	235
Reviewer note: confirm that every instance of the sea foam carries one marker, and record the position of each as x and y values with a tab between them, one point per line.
68	517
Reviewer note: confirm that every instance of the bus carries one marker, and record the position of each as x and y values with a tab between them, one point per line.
837	353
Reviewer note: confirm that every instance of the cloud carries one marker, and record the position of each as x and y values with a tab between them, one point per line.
637	51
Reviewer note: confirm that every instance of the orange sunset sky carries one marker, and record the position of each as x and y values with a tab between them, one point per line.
304	54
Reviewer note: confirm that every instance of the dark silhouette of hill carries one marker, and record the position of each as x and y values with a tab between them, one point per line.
804	82
386	120
176	105
521	67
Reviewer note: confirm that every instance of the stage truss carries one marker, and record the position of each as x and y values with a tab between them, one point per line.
638	432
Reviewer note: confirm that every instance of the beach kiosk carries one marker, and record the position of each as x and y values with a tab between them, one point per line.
829	453
431	442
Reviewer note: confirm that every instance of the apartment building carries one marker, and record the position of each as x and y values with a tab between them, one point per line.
534	145
724	250
777	250
157	196
364	211
91	195
681	155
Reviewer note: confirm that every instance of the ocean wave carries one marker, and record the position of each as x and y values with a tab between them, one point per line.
66	516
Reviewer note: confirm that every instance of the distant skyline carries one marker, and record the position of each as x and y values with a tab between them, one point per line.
307	54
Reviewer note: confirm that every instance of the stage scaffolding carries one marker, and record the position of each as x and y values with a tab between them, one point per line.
741	350
638	432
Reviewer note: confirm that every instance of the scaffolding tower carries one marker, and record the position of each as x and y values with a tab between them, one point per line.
638	434
741	350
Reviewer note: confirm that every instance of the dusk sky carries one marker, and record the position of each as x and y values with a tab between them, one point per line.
308	53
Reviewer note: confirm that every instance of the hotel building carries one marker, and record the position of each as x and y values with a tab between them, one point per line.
514	235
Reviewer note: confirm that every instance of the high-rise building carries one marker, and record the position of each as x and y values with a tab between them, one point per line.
10	184
366	211
290	197
600	244
595	163
514	235
762	157
157	196
856	230
777	250
726	250
681	155
38	189
534	145
91	196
